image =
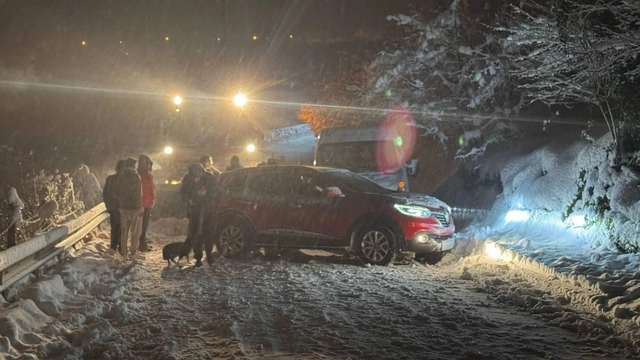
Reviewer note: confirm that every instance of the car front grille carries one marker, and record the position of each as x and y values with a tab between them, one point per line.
442	217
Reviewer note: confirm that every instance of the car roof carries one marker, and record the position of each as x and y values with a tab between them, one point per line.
278	168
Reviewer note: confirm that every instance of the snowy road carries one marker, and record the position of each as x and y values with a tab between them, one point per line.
308	306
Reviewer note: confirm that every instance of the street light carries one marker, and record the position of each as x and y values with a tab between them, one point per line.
240	100
177	100
251	148
255	37
168	150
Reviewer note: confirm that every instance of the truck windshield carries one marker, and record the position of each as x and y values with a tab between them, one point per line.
355	156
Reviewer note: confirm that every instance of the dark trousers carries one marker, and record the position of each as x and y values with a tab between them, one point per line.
203	237
146	216
114	217
11	236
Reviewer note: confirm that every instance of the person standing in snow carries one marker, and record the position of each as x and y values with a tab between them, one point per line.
15	216
148	196
199	191
110	198
234	164
130	198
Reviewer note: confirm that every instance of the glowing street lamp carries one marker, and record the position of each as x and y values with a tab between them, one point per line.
290	36
177	100
166	38
251	148
84	43
168	150
255	37
240	100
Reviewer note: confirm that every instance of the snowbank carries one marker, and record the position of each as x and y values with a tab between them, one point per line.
580	217
18	324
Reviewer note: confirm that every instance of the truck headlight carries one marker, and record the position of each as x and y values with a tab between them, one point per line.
415	211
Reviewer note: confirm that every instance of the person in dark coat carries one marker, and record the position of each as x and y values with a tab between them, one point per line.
130	198
148	197
109	196
200	192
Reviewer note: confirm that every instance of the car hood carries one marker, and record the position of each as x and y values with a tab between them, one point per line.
388	181
419	200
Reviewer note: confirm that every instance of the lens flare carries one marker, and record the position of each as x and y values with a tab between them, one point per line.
396	140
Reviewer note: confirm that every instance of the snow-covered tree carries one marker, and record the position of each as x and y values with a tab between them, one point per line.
578	52
449	72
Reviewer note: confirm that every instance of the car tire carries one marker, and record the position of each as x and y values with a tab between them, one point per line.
234	238
377	245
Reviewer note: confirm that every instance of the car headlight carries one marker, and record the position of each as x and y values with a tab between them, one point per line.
415	211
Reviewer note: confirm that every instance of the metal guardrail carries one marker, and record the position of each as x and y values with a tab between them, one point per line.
30	256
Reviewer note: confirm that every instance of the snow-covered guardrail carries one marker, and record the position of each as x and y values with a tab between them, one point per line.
29	256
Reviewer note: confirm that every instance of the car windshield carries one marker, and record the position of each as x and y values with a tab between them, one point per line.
355	156
356	182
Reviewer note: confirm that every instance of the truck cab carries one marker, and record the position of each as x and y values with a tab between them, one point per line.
375	155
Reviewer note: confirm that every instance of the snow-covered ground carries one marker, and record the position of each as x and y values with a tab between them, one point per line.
311	305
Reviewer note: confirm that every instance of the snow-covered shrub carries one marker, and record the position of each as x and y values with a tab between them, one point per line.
37	188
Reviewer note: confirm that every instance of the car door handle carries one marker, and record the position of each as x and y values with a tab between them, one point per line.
295	206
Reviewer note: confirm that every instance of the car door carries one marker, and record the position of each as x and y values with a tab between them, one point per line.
273	210
320	216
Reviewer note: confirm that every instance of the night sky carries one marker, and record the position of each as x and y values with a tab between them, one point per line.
47	35
210	52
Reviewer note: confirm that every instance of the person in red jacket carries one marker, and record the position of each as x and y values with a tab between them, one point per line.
148	196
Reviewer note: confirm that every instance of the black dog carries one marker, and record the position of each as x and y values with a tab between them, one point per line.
176	250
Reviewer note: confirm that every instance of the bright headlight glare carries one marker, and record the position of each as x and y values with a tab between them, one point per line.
517	215
415	211
578	220
492	250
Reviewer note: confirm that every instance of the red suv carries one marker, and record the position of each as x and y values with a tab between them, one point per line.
323	208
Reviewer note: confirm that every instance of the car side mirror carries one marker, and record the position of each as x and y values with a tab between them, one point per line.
413	169
334	192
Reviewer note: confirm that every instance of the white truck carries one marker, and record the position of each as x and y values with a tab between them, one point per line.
368	152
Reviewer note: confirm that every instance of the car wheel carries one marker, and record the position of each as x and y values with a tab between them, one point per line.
377	246
234	239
